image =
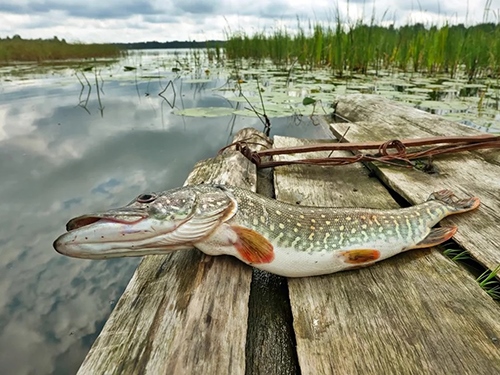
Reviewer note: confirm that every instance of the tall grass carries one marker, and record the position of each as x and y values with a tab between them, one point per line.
348	47
18	49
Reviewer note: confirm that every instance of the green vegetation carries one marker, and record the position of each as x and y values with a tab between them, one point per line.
457	255
358	47
18	49
489	283
487	279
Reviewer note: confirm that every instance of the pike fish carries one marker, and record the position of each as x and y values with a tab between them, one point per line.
280	238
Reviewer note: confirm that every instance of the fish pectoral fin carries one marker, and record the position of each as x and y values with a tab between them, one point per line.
360	256
253	247
436	237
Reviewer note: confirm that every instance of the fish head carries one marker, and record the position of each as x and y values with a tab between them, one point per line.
153	223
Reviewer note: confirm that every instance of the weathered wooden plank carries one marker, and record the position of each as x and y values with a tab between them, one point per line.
385	112
415	313
183	313
376	108
471	173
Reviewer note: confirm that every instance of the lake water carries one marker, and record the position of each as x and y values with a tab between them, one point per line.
65	151
75	140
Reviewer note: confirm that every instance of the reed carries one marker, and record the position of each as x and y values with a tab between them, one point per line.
18	49
357	46
489	282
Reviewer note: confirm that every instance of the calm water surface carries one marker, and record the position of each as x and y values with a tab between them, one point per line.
65	151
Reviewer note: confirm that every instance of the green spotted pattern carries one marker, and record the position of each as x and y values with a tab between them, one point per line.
313	229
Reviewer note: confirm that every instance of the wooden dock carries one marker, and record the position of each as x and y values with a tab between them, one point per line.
415	313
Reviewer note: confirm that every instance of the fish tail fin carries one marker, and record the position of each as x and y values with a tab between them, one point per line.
455	205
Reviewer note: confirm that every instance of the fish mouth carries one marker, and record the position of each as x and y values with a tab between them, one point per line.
111	235
86	220
138	229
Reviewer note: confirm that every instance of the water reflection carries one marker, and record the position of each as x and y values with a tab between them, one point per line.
59	160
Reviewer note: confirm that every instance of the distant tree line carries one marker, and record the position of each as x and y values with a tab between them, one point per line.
173	44
16	48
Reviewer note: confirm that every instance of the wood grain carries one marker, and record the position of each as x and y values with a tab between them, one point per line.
415	313
467	174
182	313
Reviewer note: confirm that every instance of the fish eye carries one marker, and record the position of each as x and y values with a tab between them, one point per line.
146	198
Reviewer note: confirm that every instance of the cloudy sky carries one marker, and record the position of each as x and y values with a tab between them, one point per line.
166	20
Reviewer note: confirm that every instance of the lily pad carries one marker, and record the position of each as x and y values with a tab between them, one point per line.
244	99
419	90
308	100
384	88
324	97
402	84
245	112
272	111
388	94
458	105
204	112
436	86
413	98
281	97
429	104
361	87
473	86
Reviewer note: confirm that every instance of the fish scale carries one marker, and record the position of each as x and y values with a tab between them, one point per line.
318	229
281	238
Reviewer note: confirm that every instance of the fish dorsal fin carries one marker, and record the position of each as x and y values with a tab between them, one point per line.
252	246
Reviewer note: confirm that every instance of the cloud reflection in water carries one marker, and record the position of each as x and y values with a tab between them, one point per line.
57	162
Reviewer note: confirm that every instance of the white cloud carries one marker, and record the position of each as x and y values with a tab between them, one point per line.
132	21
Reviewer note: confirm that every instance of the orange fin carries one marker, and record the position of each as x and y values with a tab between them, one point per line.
252	246
360	256
436	236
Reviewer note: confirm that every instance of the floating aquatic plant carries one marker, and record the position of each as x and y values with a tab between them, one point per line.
204	112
